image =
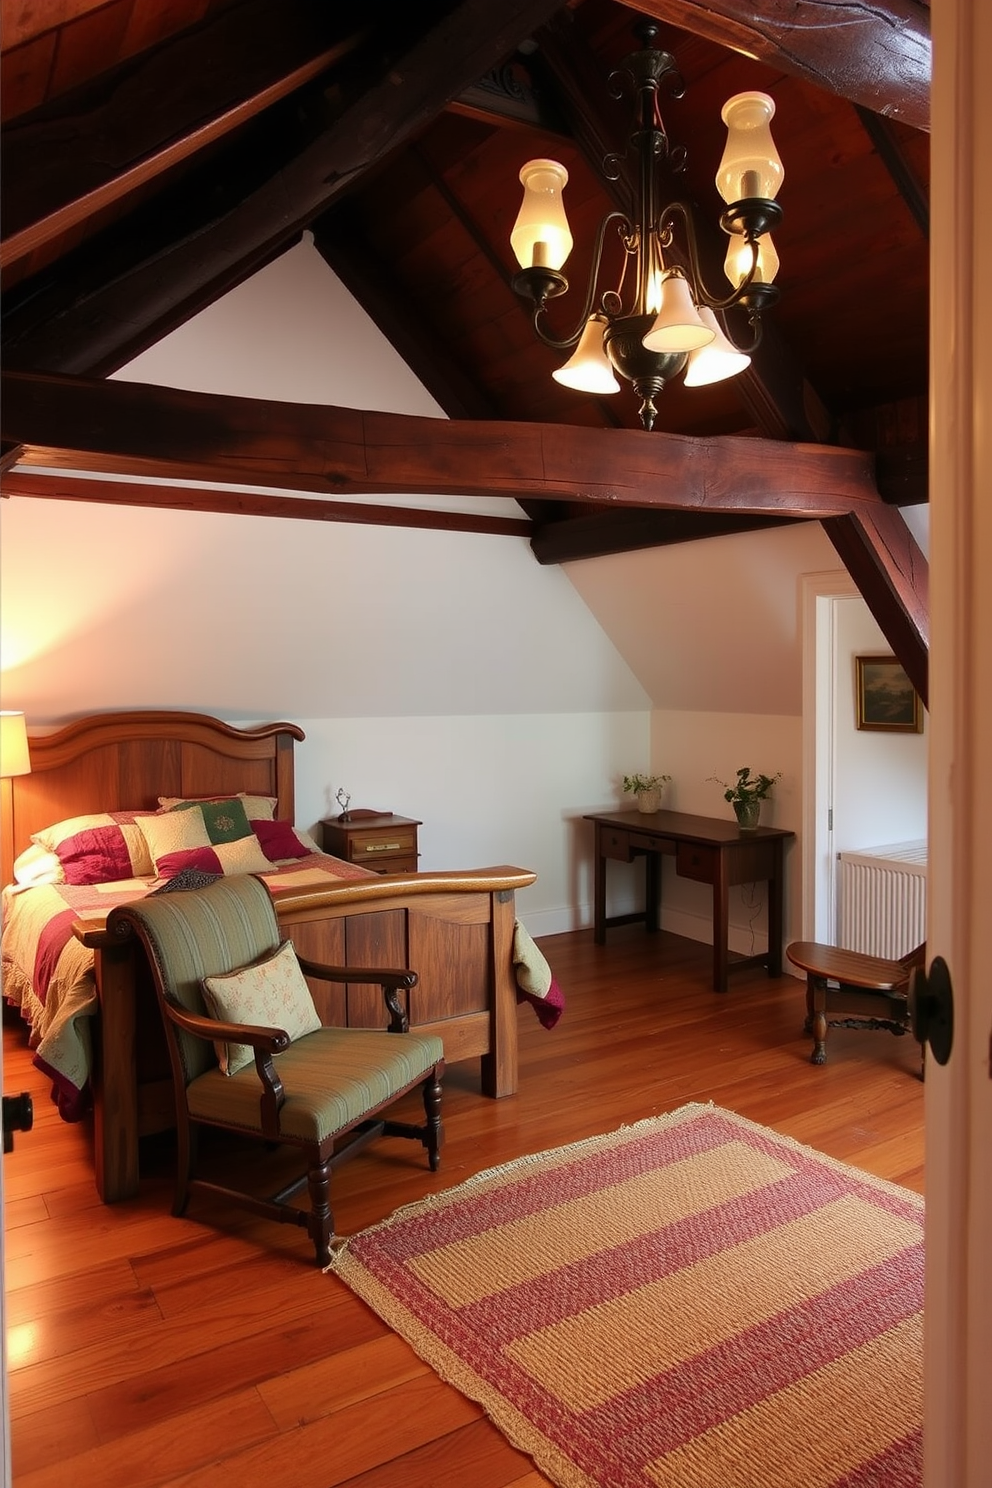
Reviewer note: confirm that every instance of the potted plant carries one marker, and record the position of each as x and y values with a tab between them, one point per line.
646	789
746	795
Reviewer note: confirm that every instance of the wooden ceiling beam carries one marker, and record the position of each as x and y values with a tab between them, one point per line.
104	325
134	429
113	187
877	55
891	153
629	529
340	243
57	487
892	574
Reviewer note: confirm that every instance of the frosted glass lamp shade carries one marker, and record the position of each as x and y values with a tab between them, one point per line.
541	237
677	326
737	264
589	369
14	756
751	165
717	361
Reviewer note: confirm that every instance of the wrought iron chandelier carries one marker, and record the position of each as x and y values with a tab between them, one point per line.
669	321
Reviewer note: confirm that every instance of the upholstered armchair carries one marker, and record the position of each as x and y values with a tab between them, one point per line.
249	1055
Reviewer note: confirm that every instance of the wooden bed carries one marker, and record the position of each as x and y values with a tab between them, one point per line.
454	928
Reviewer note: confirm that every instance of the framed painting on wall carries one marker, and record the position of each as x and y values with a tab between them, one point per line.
886	699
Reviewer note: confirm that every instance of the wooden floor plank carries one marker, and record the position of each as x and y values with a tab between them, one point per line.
160	1352
342	1378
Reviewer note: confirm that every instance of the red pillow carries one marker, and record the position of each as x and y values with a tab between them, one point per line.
279	841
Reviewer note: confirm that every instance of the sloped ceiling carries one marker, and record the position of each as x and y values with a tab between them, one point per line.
156	155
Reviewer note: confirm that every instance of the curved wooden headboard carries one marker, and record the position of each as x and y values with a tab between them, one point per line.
125	761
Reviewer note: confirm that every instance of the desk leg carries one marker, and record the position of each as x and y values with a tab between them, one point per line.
776	887
721	895
652	891
599	894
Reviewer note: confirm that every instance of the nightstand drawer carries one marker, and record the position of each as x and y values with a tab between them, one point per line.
386	844
366	846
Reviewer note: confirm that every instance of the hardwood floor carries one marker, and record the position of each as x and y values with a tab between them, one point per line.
147	1350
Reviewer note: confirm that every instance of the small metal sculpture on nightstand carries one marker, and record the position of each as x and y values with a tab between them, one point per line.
343	799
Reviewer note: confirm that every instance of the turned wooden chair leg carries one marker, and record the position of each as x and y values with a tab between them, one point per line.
320	1221
816	990
435	1129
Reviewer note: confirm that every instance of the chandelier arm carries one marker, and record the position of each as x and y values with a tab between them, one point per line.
699	288
566	343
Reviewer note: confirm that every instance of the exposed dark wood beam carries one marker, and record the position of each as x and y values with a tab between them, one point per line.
903	473
105	325
877	55
254	504
911	189
892	574
773	388
165	433
115	187
340	244
629	529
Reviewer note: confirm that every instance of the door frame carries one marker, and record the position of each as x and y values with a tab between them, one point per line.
821	593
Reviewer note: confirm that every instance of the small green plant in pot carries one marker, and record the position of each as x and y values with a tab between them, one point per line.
646	789
746	795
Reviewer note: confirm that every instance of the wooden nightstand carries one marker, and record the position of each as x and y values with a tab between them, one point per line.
388	844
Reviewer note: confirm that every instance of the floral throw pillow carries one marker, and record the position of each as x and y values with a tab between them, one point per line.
271	994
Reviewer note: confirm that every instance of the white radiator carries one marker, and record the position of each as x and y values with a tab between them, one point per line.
883	899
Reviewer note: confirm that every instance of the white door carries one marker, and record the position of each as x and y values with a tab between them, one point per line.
958	1423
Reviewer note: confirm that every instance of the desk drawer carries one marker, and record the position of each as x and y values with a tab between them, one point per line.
693	861
615	843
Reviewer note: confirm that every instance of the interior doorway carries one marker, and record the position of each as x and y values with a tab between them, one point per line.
862	789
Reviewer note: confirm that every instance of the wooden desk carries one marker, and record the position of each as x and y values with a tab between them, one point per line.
706	849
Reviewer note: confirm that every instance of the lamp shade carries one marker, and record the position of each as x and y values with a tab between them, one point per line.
677	326
717	361
589	369
14	756
541	237
751	165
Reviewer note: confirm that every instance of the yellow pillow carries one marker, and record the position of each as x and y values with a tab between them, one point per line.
271	994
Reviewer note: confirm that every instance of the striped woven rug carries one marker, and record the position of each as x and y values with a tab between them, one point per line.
692	1302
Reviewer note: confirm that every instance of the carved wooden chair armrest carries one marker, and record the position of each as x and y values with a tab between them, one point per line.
391	981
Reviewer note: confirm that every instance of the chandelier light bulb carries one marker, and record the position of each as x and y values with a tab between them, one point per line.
751	165
541	237
737	264
589	369
717	361
677	326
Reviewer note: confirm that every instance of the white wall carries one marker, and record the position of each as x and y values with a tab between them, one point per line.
880	779
445	676
442	675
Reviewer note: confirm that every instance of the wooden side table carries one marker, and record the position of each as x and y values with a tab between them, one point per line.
387	844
